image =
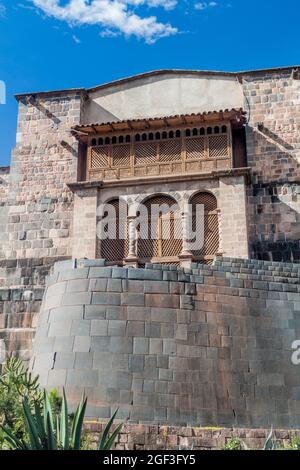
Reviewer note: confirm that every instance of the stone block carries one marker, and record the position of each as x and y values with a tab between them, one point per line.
78	285
140	345
77	377
81	328
96	312
98	285
139	314
145	274
83	360
136	363
64	360
82	344
102	360
100	343
66	313
162	301
163	315
169	347
156	346
116	327
63	344
121	345
152	330
156	287
103	298
100	272
70	274
99	327
133	299
60	328
135	328
57	378
114	285
76	298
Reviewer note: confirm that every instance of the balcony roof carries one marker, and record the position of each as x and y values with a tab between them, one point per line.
237	116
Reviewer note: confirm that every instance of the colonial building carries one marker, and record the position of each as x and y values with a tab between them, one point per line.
226	141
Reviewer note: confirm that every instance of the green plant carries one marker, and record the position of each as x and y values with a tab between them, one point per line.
294	444
64	434
16	383
233	444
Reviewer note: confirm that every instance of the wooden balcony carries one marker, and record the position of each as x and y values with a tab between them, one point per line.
190	150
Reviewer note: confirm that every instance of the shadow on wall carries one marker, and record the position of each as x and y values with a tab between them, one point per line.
273	197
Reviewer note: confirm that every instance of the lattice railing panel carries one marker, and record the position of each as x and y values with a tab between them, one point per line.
114	249
167	229
171	229
170	151
121	156
145	153
211	224
195	148
99	157
218	146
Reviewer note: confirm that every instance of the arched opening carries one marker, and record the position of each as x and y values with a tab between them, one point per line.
113	246
160	230
210	248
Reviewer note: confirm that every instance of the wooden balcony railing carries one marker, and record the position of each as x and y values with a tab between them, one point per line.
187	150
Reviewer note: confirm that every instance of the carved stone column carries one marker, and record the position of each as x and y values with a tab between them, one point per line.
132	259
186	255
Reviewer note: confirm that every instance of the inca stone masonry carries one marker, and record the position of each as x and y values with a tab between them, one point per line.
169	335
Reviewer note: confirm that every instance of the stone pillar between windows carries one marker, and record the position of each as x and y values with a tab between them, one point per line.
186	256
132	258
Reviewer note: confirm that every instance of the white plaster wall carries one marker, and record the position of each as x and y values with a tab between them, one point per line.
163	95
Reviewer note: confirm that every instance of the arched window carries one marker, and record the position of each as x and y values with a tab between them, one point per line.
121	139
151	136
178	133
188	133
144	137
113	246
107	140
160	234
209	130
94	142
164	135
127	139
137	137
224	129
210	247
100	141
157	136
171	135
195	131
114	140
202	131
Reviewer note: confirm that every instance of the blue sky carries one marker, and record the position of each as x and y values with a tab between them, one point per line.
53	44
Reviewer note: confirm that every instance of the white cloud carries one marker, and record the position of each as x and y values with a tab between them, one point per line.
205	5
76	39
2	10
112	15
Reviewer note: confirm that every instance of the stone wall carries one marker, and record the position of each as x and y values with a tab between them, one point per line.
143	437
273	147
208	346
22	285
37	218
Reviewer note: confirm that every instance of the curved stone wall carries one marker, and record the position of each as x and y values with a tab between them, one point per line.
206	346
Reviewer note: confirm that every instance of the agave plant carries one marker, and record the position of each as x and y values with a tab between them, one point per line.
46	434
269	443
